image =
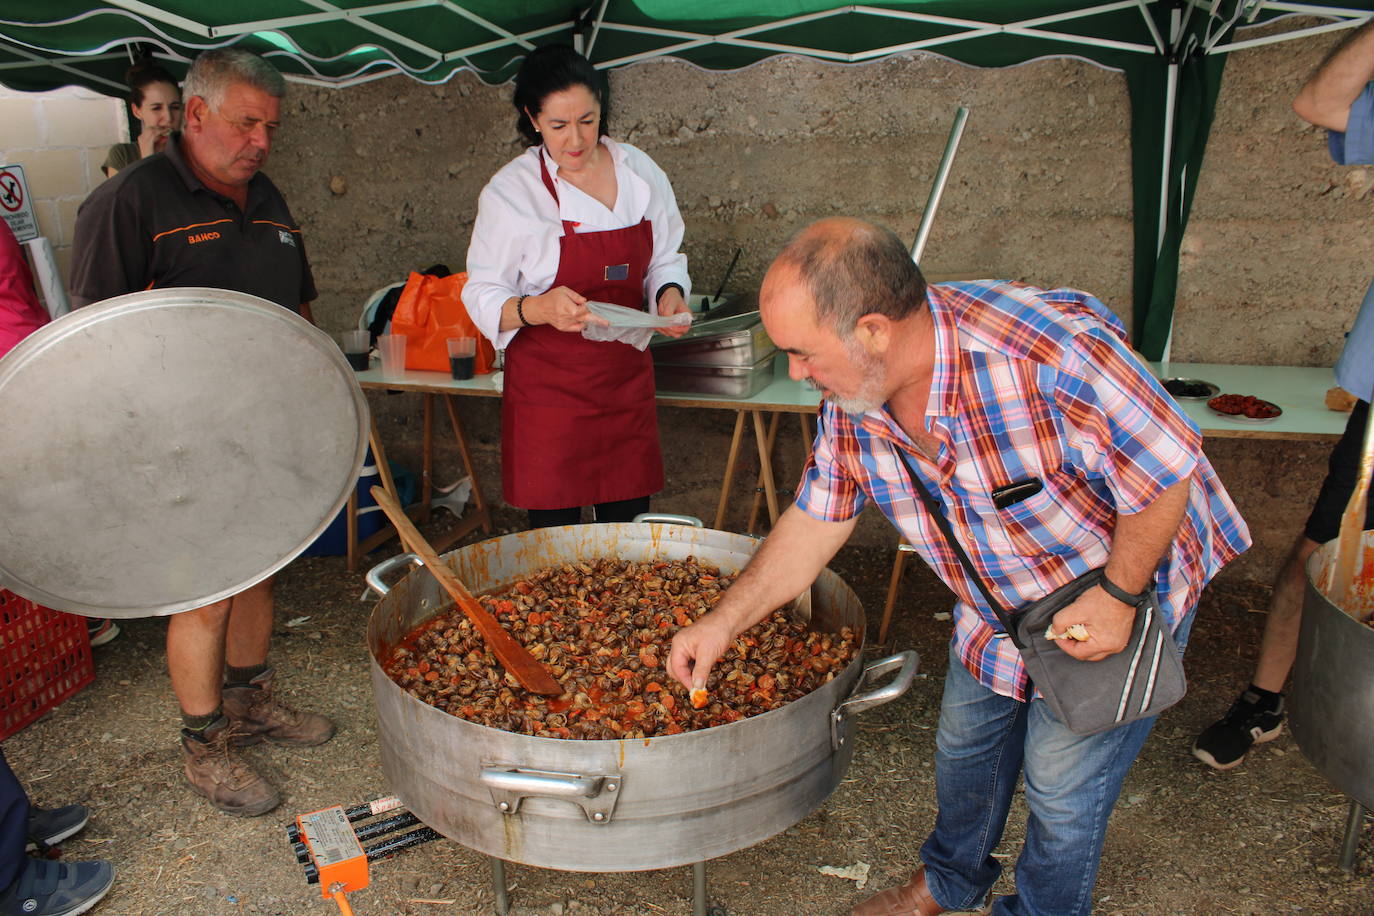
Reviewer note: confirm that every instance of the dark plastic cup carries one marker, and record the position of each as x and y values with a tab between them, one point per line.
462	357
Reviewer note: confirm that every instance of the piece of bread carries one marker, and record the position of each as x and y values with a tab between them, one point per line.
1339	399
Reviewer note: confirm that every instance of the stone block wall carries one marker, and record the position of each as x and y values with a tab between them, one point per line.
1278	252
60	138
384	178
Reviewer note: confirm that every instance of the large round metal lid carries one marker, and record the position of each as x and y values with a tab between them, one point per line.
166	449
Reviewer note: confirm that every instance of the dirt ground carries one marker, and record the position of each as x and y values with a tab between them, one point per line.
1261	839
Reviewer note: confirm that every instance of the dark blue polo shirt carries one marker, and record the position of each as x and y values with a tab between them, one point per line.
155	225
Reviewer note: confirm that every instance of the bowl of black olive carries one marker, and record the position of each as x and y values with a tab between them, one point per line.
1190	389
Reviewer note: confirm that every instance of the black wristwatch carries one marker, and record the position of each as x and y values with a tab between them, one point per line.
1120	594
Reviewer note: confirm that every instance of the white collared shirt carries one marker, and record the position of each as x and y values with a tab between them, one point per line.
514	249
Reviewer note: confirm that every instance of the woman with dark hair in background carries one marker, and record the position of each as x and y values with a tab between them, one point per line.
576	217
155	101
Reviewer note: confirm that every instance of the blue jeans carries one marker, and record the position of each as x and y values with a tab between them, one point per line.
14	824
983	743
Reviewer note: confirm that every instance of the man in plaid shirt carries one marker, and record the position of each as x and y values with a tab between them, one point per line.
1053	452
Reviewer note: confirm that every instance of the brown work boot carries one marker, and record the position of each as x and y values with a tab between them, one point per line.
258	714
217	771
911	899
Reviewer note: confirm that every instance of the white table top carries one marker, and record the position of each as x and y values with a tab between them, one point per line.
1298	390
427	382
781	394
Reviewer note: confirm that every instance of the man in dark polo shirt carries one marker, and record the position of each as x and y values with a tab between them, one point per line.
201	213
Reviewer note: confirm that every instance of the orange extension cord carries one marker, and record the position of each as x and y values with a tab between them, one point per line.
342	900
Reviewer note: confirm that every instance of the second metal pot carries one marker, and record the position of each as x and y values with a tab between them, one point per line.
1331	710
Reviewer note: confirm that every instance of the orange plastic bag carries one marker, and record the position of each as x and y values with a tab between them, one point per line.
429	312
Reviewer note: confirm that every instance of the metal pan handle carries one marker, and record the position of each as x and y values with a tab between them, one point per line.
509	786
664	518
374	578
906	664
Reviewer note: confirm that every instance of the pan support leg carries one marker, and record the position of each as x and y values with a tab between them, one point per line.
1350	846
700	906
698	889
498	885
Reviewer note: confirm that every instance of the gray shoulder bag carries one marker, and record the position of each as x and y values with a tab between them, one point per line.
1141	680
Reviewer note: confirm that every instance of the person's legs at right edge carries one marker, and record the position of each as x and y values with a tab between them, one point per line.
1257	714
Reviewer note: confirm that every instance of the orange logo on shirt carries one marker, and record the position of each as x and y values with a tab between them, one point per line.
202	237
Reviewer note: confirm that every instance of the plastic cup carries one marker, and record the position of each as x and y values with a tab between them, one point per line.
355	347
393	348
462	356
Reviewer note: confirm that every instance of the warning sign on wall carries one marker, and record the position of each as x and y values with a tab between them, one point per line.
15	205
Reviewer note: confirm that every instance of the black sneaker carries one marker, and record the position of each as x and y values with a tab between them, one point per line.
50	826
1224	745
48	888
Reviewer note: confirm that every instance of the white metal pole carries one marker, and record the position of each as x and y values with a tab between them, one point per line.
596	27
1166	161
49	277
956	132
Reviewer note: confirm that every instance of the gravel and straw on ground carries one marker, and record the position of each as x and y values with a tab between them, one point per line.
1261	839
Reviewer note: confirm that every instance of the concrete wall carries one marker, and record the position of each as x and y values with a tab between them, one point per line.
754	155
1278	252
60	138
385	177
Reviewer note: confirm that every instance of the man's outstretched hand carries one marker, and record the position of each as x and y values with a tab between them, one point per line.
696	648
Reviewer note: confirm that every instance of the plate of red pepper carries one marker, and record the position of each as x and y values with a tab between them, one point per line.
1244	407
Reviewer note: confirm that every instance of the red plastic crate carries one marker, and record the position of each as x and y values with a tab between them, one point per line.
45	657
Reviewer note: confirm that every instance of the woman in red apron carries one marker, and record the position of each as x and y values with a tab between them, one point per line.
578	217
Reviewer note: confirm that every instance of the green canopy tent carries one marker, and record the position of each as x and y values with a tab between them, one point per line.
1172	53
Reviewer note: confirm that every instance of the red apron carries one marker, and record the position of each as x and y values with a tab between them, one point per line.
579	424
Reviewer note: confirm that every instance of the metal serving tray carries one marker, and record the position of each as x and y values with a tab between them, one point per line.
739	341
720	381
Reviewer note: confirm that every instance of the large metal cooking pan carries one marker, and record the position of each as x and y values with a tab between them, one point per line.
169	448
615	805
1331	708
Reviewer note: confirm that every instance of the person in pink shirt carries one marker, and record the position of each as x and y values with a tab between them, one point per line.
27	884
20	313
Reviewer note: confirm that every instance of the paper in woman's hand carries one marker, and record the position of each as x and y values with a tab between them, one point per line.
629	326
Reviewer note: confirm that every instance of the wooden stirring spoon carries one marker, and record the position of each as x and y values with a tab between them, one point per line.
533	676
1341	586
